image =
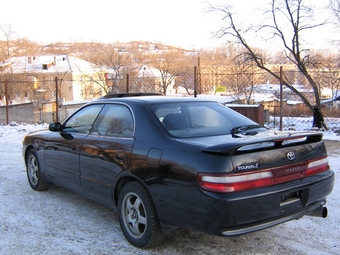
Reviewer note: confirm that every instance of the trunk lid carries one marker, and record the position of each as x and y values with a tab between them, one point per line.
264	160
266	150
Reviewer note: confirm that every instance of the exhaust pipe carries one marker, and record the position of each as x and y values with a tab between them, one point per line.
319	212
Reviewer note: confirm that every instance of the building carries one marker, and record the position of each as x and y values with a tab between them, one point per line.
31	79
156	80
141	78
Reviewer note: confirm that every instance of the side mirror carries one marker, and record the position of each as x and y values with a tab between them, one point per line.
55	126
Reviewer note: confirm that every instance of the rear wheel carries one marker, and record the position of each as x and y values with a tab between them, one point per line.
137	216
34	171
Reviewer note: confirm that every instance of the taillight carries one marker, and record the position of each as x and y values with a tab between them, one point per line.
226	183
317	166
232	183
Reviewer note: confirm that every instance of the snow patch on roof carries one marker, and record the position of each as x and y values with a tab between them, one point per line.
48	64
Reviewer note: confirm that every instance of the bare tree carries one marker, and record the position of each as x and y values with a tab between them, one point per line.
117	61
334	5
6	36
239	74
328	66
287	20
111	62
169	64
24	47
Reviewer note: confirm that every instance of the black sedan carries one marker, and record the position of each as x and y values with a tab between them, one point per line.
165	162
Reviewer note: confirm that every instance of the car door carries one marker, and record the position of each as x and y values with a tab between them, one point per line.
62	148
106	151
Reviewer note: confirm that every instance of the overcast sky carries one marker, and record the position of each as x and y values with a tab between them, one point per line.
183	23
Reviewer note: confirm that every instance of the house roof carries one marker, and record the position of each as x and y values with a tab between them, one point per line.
149	72
47	64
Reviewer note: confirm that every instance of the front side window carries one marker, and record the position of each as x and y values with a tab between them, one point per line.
115	121
82	121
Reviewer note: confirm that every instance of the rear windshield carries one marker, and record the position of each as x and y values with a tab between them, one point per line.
197	119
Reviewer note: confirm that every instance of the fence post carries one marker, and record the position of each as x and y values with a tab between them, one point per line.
198	76
195	81
281	96
127	83
56	100
7	99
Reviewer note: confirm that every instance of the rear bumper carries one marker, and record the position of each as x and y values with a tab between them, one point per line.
272	222
236	214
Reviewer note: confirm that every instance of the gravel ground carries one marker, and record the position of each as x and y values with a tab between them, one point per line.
57	221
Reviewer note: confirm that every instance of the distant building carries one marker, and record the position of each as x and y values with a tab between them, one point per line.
147	75
33	79
142	78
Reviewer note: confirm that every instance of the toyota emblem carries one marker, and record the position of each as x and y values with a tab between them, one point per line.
291	155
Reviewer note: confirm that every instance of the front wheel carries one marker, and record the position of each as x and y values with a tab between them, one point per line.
137	216
34	171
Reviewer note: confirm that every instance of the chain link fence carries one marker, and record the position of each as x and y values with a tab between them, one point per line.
44	98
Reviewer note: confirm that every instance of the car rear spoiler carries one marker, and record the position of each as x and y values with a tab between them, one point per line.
254	143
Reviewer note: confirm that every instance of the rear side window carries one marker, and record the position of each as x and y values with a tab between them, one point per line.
115	121
197	119
82	121
205	116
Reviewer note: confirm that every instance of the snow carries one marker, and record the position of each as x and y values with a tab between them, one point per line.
57	221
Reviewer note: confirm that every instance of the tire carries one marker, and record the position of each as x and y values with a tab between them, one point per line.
137	216
34	172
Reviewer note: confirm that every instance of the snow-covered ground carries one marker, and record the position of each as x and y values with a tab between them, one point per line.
57	221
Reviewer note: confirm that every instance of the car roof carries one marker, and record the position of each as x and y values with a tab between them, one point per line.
152	99
117	95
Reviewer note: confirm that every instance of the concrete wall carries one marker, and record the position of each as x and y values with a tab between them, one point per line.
18	113
31	113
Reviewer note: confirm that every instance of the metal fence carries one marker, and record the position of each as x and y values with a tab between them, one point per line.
32	98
